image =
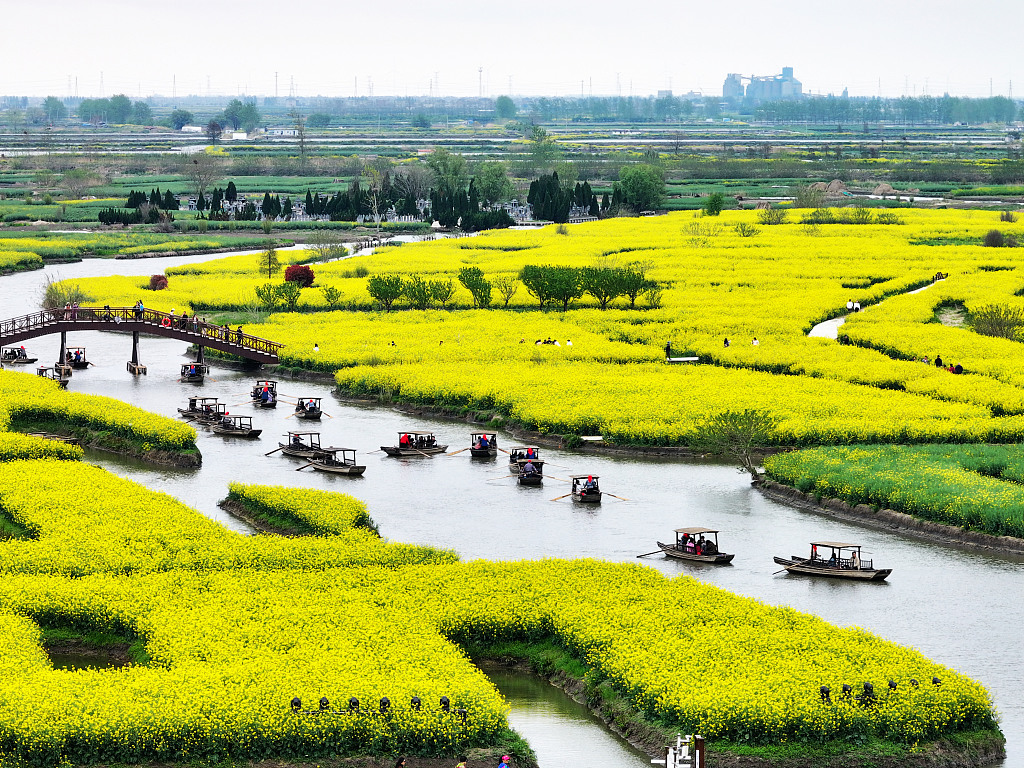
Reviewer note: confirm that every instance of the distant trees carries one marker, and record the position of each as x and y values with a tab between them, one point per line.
420	121
504	107
242	115
180	118
78	180
54	108
713	204
116	109
319	120
449	171
142	114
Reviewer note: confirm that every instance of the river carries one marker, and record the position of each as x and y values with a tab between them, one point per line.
955	606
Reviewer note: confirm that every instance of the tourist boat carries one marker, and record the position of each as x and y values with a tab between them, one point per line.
63	370
201	408
339	461
585	489
416	444
308	408
517	457
264	394
479	450
75	357
844	562
536	477
49	373
235	426
194	373
16	356
301	445
697	544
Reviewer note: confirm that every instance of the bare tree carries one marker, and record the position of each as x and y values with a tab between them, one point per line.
201	170
376	193
327	244
413	180
78	180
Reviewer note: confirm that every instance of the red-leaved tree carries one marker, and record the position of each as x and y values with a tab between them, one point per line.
299	273
157	282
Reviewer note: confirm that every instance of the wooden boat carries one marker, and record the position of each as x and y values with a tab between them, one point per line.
536	477
235	426
264	394
518	455
49	373
16	356
64	370
75	357
585	489
201	408
308	408
697	544
338	461
301	445
483	445
416	444
844	562
194	373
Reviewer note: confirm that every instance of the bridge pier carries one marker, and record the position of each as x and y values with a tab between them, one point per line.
134	367
61	366
200	358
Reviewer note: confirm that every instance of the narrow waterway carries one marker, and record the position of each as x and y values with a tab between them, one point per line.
957	607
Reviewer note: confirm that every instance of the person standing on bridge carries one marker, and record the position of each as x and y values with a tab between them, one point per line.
241	333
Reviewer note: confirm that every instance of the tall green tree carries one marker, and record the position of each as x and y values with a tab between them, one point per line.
120	109
492	183
449	172
504	107
180	118
643	186
54	108
269	262
740	436
386	289
474	281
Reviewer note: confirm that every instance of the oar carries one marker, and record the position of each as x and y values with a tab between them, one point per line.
614	496
274	451
455	452
504	451
561	479
560	497
782	571
499	478
290	415
421	453
304	466
647	554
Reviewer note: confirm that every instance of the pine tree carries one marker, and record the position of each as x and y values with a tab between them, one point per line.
231	195
154	198
170	201
267	205
309	203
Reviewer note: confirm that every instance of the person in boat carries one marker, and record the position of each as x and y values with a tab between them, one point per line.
296	440
300	406
529	468
78	355
832	561
814	551
709	547
484	443
684	542
192	370
531	454
225	420
403	441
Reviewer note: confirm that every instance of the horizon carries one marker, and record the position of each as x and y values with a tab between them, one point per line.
325	51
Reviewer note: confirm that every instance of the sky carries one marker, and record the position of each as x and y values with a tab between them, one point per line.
517	47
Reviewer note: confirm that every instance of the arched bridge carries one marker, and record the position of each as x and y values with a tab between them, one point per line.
135	321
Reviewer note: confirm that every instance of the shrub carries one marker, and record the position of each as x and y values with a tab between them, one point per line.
157	282
299	273
771	216
994	239
1007	216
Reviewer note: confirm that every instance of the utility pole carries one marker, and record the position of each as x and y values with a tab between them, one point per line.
174	89
480	74
101	85
275	86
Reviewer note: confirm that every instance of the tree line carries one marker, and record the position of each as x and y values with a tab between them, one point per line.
549	285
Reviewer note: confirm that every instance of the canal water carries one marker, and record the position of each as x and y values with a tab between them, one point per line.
960	608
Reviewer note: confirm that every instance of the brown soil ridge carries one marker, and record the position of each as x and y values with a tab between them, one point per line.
891	520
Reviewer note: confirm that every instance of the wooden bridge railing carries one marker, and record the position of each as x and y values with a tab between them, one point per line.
130	318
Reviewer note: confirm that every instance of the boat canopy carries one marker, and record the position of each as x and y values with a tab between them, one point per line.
696	530
413	432
305	433
583	477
